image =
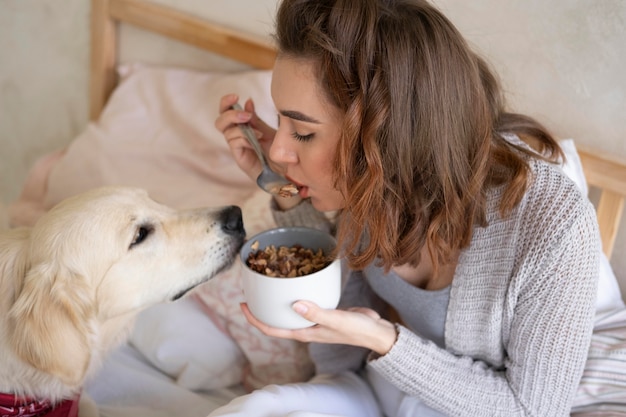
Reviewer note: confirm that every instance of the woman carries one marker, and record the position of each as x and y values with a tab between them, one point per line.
450	209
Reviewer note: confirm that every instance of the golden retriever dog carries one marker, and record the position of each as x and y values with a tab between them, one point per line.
71	286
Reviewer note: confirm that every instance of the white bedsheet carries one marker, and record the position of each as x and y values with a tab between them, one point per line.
131	384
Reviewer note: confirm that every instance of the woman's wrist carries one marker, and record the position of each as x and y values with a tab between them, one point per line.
387	338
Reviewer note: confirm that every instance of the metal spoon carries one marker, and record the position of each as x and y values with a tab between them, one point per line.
268	180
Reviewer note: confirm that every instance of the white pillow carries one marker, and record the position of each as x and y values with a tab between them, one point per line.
183	342
609	297
157	132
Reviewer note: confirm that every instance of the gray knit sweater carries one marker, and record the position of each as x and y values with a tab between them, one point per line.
520	315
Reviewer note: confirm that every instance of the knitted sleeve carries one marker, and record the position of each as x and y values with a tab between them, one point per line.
304	214
549	307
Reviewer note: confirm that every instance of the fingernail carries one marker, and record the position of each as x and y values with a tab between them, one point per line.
300	308
243	116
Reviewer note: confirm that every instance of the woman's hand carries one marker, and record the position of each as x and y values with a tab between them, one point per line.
357	326
245	157
227	123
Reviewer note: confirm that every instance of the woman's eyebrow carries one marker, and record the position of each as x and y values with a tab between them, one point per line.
296	115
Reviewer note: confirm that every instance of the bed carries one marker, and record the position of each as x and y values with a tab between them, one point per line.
152	127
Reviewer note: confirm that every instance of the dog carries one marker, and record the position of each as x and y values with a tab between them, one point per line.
72	285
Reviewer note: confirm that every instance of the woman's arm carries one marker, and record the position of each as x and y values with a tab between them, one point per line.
552	297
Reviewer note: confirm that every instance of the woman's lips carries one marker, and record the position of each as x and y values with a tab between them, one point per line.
303	190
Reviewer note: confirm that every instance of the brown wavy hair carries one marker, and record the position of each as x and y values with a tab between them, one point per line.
421	141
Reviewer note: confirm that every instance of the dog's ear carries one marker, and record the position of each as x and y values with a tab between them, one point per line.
49	322
13	259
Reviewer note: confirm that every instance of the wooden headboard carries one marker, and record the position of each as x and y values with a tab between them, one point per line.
609	176
603	172
106	15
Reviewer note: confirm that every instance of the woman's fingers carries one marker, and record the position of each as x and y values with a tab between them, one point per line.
228	124
267	131
366	312
264	328
228	116
249	106
310	311
227	101
358	327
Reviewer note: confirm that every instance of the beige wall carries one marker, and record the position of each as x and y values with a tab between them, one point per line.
562	61
43	81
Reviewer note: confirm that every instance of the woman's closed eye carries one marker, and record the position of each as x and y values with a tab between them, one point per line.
302	138
295	134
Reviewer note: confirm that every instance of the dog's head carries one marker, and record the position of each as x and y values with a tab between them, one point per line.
101	257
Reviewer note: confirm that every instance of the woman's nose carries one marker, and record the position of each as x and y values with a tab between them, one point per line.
282	150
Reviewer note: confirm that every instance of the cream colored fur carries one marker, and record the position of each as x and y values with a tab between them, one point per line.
71	286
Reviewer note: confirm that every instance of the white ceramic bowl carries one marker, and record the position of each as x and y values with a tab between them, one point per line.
270	299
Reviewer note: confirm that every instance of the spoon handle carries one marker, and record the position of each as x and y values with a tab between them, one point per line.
247	131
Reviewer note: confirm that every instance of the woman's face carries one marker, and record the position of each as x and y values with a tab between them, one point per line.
308	132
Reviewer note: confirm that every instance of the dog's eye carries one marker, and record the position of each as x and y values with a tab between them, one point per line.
140	235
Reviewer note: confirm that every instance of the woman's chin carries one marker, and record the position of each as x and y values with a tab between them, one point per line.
325	205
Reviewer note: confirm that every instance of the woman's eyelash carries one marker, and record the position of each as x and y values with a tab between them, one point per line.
302	138
296	135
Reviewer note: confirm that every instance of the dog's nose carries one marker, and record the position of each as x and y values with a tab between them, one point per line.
231	220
